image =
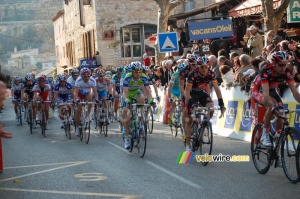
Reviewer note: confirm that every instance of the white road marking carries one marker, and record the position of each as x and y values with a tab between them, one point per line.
186	181
39	165
45	171
90	177
124	196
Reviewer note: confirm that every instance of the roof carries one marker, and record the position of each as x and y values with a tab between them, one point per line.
249	7
227	4
46	72
58	14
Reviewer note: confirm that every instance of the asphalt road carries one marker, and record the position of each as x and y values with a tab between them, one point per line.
56	167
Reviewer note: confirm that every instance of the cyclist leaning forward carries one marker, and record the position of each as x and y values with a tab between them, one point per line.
28	92
265	90
42	92
196	92
116	90
103	87
83	85
63	92
135	87
16	93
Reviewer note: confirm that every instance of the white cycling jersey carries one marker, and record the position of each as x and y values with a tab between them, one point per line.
71	81
85	87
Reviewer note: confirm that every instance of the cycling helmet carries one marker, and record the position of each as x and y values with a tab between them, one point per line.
42	78
17	78
108	73
146	68
119	69
85	71
75	72
107	76
180	67
202	61
193	59
280	56
128	68
28	76
136	66
50	79
61	78
100	72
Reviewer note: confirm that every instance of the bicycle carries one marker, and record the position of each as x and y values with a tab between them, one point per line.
149	118
110	110
101	119
202	134
84	126
29	115
264	157
138	129
176	119
66	116
43	118
19	109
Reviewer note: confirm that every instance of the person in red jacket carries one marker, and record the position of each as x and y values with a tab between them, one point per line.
146	60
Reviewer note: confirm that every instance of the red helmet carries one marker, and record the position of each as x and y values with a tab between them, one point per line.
42	78
85	71
280	56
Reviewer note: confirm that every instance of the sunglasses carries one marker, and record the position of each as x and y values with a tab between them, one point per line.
204	66
138	71
281	65
62	81
86	76
193	64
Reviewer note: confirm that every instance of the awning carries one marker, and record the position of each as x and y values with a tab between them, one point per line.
249	7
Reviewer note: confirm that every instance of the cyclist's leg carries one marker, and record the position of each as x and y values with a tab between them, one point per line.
116	104
140	98
183	118
79	110
205	99
188	124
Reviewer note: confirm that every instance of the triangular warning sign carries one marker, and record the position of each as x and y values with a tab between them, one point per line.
168	44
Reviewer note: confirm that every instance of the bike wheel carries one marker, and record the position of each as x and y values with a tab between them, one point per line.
142	138
150	119
260	155
298	159
194	141
104	129
43	123
69	129
87	132
80	132
205	140
132	135
288	154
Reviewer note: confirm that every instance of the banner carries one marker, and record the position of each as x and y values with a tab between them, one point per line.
88	63
293	12
210	29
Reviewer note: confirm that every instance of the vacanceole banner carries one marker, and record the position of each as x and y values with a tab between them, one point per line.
210	29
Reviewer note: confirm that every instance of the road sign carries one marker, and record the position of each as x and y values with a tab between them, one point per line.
168	42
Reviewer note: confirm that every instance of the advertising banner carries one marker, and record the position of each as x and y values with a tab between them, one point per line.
88	63
293	11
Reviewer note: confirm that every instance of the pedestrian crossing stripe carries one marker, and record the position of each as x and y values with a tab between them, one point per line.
168	42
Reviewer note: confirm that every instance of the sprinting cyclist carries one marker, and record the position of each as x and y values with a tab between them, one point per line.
196	92
174	91
85	86
16	93
135	85
265	90
116	90
42	92
63	92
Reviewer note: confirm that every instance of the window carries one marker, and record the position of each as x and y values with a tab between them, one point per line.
189	5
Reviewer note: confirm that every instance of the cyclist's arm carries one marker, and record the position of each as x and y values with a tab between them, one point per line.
55	95
12	93
217	89
114	89
125	92
95	93
181	86
109	89
76	92
294	91
187	91
148	91
72	93
266	95
35	95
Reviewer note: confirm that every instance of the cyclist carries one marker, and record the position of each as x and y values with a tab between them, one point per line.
151	80
63	92
134	89
196	92
16	93
103	87
72	79
42	91
265	90
174	91
192	64
28	93
83	85
116	90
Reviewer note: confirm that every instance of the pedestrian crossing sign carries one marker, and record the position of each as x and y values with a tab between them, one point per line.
168	42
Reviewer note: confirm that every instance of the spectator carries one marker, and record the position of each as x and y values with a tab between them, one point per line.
197	53
255	42
214	66
227	76
182	40
146	60
245	61
222	52
3	92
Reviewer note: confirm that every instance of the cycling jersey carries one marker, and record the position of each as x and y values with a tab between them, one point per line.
28	89
71	81
63	92
42	92
17	90
132	84
175	80
85	87
116	81
102	85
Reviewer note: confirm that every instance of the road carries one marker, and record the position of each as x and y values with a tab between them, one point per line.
55	167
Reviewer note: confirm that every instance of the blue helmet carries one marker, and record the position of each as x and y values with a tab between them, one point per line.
202	61
127	68
136	66
120	69
180	67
